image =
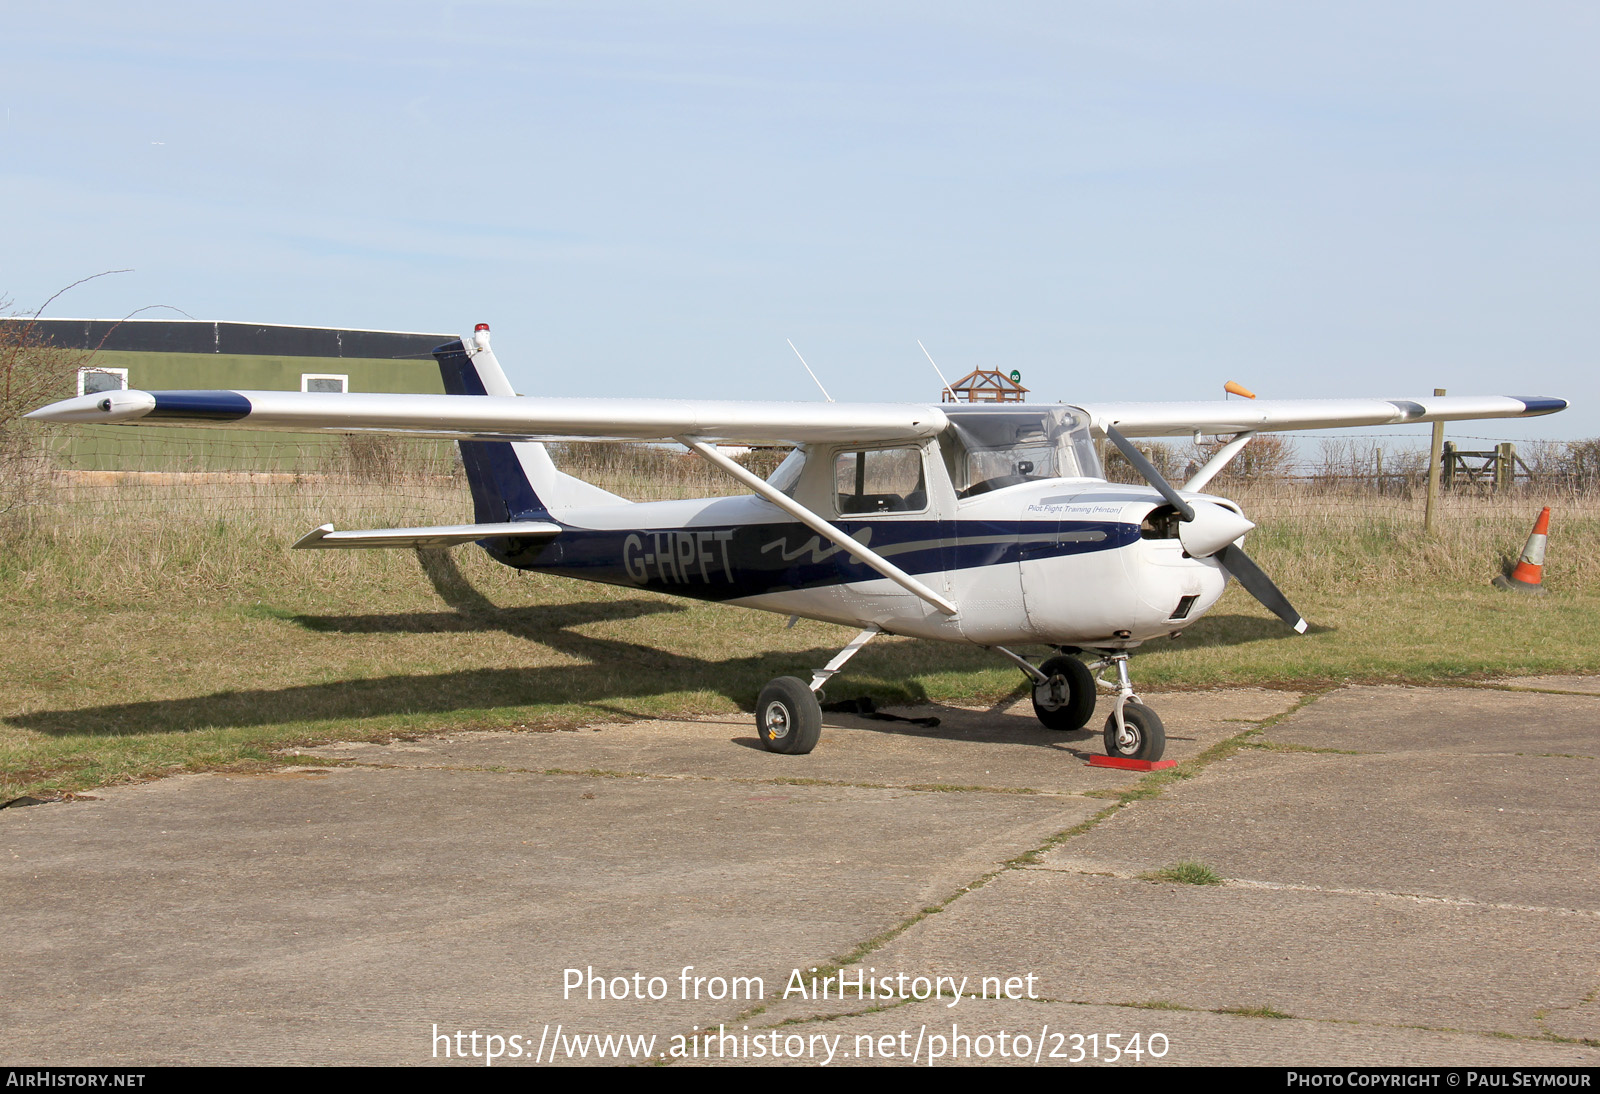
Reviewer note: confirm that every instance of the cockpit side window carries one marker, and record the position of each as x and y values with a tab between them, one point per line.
880	480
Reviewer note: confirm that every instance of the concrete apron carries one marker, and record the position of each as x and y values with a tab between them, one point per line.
1419	889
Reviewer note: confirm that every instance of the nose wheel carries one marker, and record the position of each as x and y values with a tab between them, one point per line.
1141	736
1133	732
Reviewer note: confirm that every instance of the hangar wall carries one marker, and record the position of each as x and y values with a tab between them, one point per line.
164	355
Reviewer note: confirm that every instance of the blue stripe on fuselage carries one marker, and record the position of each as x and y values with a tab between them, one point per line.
730	563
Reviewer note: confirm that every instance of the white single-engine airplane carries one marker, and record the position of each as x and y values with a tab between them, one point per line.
991	525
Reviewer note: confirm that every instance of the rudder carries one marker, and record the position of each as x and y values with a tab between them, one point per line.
510	480
501	487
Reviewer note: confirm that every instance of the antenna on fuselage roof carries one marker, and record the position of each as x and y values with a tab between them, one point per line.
935	365
809	373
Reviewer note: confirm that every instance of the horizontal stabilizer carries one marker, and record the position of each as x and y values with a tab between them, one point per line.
442	535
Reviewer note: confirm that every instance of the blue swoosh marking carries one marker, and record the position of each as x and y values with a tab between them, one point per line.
730	563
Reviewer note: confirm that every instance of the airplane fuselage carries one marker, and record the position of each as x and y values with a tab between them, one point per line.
1058	561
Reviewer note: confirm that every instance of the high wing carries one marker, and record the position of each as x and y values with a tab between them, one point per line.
1274	415
506	417
514	418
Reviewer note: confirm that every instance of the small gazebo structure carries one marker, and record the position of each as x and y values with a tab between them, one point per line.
986	386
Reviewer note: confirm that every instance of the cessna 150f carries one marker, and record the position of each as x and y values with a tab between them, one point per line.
991	525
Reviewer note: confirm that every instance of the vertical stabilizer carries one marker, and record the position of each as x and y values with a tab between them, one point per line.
510	480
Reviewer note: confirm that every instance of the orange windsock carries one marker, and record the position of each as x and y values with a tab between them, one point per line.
1238	389
1529	573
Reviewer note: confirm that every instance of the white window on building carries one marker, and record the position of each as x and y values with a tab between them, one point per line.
92	381
324	381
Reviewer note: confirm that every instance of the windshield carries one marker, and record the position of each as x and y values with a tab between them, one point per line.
787	474
988	448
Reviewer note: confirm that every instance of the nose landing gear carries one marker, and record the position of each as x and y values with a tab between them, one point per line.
1133	731
1064	698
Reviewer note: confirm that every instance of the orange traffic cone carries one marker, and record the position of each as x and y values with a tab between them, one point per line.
1530	567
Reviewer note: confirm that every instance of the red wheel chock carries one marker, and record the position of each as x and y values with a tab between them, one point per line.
1127	764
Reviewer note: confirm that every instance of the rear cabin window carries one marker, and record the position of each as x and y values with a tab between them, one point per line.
880	480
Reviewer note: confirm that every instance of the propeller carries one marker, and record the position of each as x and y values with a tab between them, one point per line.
1209	531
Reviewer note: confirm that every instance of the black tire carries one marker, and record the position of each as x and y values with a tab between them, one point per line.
1078	705
788	717
1149	736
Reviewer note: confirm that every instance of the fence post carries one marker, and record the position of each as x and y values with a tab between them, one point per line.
1505	467
1435	453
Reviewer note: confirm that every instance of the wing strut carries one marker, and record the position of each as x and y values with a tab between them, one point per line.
855	548
1217	462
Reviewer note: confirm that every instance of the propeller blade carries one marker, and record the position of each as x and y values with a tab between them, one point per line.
1259	585
1151	475
1232	556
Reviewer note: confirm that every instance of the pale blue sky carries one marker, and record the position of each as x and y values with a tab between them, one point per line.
1122	200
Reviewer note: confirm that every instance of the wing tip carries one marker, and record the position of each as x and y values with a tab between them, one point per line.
1541	404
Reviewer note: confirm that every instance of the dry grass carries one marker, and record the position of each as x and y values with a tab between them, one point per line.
159	627
1335	538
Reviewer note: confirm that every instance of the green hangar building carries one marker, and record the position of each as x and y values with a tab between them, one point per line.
169	355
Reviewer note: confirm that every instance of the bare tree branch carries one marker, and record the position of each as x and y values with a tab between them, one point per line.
75	284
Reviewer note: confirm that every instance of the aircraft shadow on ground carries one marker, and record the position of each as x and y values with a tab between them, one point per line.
611	672
1236	630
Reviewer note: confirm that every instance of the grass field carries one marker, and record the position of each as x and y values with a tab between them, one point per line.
152	628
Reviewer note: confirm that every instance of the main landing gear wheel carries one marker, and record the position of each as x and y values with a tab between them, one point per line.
1067	701
1142	738
788	717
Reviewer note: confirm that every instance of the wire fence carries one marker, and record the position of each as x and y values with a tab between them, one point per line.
1388	472
101	473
